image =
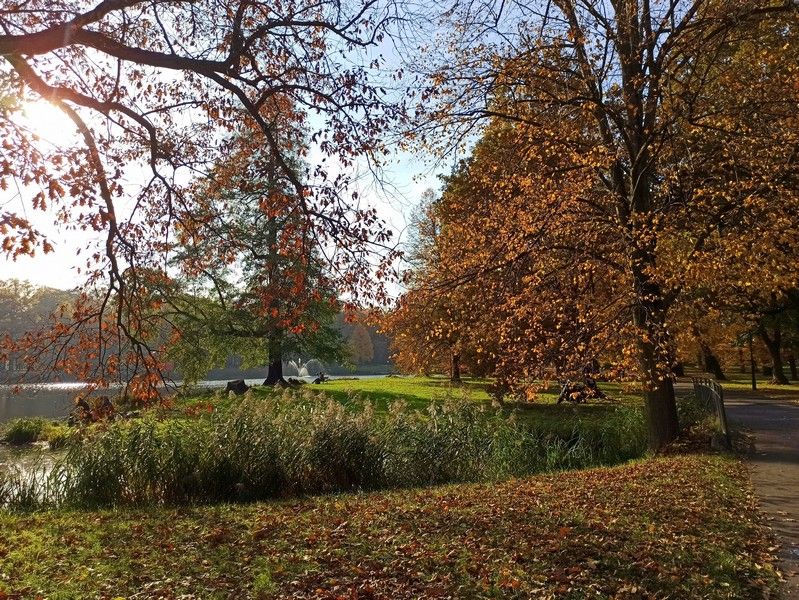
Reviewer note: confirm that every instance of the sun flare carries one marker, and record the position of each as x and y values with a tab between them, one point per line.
49	123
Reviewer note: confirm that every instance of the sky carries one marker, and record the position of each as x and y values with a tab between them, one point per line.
406	178
56	269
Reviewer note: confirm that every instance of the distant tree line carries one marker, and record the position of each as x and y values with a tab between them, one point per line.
24	308
27	308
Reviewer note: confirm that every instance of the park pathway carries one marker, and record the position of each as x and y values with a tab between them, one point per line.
774	421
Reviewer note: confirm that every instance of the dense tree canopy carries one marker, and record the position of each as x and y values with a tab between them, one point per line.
631	161
631	154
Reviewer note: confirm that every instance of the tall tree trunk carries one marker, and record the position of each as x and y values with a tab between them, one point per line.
773	344
752	365
661	406
633	184
710	361
700	360
712	364
275	374
661	414
275	340
455	373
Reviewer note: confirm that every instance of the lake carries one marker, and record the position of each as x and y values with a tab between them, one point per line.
54	400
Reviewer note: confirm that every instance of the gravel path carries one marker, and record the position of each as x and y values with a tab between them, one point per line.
774	421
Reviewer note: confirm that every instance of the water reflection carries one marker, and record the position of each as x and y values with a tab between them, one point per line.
36	459
52	400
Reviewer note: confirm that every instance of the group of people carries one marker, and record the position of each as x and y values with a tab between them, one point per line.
103	410
580	392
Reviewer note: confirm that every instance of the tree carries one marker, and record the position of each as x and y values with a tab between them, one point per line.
433	328
425	333
17	307
155	85
598	103
24	308
775	325
360	345
252	282
746	268
702	333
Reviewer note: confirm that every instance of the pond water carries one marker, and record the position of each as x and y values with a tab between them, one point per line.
54	400
35	461
50	400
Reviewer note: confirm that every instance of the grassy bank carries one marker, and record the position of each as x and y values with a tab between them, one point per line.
297	442
419	392
668	527
368	434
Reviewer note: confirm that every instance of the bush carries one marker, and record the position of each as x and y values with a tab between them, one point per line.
27	431
301	443
692	411
24	431
57	434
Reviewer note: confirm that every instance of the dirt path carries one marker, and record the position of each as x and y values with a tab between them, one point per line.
775	468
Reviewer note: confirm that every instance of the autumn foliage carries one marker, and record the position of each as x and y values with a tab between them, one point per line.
628	163
582	533
153	90
632	160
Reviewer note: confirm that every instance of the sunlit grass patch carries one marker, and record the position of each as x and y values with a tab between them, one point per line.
419	392
743	382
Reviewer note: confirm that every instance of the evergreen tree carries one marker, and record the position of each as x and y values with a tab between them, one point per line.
269	297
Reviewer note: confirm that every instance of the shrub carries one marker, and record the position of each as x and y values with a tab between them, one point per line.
58	435
692	411
27	431
24	431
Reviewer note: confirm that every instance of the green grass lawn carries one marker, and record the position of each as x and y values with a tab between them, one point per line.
678	527
743	382
419	392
